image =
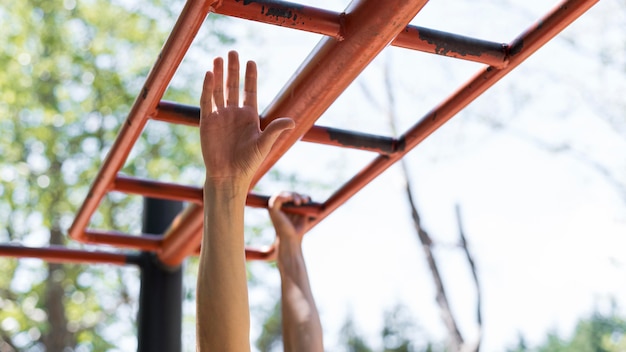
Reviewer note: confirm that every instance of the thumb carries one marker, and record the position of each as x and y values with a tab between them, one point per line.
273	130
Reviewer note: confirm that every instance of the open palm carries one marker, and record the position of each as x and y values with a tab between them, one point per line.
233	145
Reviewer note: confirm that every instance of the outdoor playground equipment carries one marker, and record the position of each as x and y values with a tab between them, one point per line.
350	41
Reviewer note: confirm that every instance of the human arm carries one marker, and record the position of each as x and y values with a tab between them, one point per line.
302	330
233	146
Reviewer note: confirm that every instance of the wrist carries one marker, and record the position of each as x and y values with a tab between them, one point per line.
227	184
289	255
225	193
288	245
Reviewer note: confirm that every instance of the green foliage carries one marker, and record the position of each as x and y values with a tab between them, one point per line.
271	334
399	333
597	333
70	73
351	339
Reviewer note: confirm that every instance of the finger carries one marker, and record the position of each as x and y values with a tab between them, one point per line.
272	131
303	198
232	81
218	82
206	104
297	199
250	85
277	200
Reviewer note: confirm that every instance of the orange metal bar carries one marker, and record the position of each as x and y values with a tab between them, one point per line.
315	20
144	242
183	236
520	49
190	116
370	25
452	45
285	14
351	139
186	28
156	189
59	254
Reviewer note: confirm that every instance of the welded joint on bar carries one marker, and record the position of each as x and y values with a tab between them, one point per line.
215	5
342	27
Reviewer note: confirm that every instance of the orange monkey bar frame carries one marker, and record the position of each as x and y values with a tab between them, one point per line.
352	40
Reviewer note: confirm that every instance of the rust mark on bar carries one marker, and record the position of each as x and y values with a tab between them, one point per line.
360	141
278	12
442	47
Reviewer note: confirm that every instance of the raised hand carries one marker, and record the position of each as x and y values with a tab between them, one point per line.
233	145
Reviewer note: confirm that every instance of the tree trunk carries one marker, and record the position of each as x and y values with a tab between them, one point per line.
57	337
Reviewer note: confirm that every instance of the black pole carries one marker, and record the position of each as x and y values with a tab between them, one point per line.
159	321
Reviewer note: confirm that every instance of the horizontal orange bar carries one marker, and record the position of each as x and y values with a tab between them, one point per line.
190	116
146	242
320	21
59	254
156	189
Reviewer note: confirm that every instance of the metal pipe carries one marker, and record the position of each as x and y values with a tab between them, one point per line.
190	116
521	48
157	189
315	20
159	317
350	139
183	33
183	236
60	254
285	14
145	242
452	45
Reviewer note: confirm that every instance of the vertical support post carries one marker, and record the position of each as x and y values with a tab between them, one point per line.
159	321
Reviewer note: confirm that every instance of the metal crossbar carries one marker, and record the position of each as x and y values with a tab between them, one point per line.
352	39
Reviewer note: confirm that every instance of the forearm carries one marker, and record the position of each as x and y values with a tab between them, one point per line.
302	330
223	320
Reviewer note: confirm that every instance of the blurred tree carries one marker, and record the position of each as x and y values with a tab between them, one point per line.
70	72
596	333
351	340
398	331
398	334
271	335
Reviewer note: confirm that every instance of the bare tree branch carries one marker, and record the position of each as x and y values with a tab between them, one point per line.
427	243
456	339
470	260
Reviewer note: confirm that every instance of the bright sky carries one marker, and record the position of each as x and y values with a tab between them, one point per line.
546	228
